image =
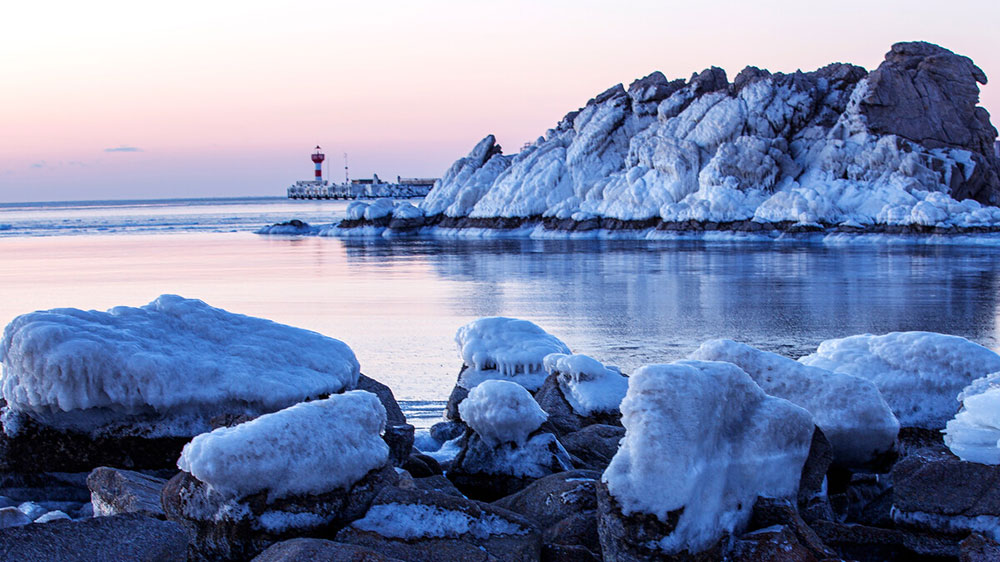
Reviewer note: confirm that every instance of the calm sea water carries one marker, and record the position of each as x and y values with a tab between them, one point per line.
398	303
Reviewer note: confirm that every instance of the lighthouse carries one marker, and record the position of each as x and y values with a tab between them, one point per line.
318	158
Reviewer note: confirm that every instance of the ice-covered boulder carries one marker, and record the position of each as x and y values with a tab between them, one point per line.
432	526
505	348
507	449
849	409
314	465
127	387
974	433
580	391
918	373
702	442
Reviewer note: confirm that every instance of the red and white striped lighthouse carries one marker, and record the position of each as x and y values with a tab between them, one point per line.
318	158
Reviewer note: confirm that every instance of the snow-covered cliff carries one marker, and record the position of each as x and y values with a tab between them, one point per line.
905	145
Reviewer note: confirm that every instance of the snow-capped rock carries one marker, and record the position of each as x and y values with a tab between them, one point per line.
849	409
501	412
505	348
702	442
309	448
918	373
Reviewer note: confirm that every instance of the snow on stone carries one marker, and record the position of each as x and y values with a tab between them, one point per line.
918	373
175	362
309	448
703	437
508	348
356	210
380	208
416	521
501	411
974	434
588	386
849	409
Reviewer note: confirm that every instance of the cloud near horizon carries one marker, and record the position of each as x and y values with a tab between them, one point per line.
123	149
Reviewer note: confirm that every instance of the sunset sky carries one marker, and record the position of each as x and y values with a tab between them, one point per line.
113	100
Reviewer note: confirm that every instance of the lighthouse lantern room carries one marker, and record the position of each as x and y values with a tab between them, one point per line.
317	158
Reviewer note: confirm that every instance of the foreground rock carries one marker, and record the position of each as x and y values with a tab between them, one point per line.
508	451
319	550
303	471
118	537
128	387
728	444
580	391
430	526
116	492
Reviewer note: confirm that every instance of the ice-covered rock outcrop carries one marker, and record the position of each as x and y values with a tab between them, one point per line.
580	391
904	145
974	434
849	409
702	442
918	373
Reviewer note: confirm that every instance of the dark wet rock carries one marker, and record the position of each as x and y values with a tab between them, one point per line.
813	502
458	393
864	498
393	413
936	491
977	548
119	537
421	466
487	473
771	512
493	534
115	492
319	550
875	544
653	88
399	438
44	486
437	483
709	80
578	530
13	517
628	538
930	95
407	224
448	430
239	529
773	544
594	445
37	447
554	498
568	553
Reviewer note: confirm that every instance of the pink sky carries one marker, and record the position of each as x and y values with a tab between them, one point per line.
228	98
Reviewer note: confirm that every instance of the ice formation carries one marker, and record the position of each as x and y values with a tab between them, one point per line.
974	434
588	386
309	448
414	521
508	348
903	145
501	411
918	373
703	437
173	363
849	409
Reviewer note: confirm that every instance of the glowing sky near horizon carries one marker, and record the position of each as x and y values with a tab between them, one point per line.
111	100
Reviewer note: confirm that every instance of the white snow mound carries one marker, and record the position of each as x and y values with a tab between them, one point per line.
849	409
974	434
588	386
414	521
174	363
501	412
309	448
702	436
498	347
918	373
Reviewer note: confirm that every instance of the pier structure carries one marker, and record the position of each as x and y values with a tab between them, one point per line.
366	188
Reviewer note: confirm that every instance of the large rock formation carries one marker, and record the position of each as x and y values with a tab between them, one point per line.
903	148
